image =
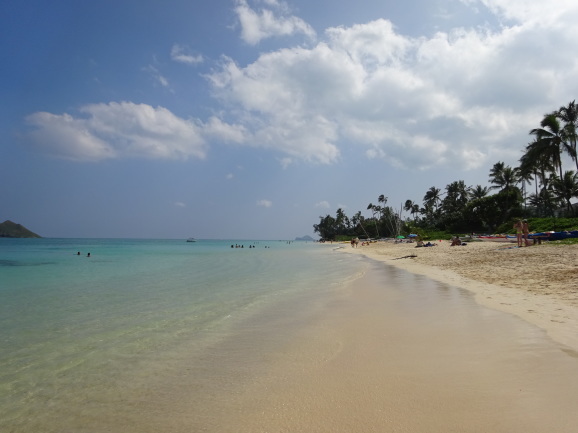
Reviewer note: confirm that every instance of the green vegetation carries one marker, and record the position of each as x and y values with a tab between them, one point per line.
8	229
459	208
544	225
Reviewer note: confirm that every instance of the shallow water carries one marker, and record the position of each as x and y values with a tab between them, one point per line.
87	340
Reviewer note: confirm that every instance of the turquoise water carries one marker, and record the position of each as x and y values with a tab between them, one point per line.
82	335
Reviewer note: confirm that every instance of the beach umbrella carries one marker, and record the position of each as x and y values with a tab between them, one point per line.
401	237
412	236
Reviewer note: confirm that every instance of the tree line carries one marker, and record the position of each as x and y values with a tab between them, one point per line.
459	208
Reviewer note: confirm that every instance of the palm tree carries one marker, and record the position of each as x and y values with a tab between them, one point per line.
528	170
544	169
457	195
551	140
503	177
341	221
432	197
412	208
356	219
373	211
496	174
414	211
524	176
565	188
408	205
431	201
382	209
479	192
532	161
545	201
569	115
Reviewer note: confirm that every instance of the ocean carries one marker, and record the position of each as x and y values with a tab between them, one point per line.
95	343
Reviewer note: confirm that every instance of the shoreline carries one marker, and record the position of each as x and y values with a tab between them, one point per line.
536	283
394	350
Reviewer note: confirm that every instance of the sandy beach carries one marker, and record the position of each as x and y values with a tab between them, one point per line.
537	283
409	348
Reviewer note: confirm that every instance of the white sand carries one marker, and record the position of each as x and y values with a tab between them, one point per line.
537	283
395	352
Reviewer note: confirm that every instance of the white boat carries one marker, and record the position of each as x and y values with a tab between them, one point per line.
191	240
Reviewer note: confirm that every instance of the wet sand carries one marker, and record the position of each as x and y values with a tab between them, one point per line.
398	352
537	283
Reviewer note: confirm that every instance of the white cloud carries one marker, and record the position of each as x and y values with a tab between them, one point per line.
215	127
323	204
117	130
180	204
466	97
229	176
263	24
285	162
157	76
181	54
524	11
264	203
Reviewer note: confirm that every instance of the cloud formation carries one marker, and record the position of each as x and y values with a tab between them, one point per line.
181	54
264	203
117	130
157	76
273	20
466	96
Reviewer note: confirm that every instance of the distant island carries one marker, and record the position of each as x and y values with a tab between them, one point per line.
305	238
8	229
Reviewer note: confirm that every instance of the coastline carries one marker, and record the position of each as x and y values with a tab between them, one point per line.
392	350
536	283
353	346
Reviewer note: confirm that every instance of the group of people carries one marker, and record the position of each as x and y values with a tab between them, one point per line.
355	243
522	232
420	244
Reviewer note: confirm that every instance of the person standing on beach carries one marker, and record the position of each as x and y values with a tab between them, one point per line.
525	232
518	226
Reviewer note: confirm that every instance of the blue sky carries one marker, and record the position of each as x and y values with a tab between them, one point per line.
249	119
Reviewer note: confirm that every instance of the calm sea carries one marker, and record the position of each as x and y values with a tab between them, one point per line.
102	343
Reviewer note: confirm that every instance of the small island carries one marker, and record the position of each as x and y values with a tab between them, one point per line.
9	229
304	238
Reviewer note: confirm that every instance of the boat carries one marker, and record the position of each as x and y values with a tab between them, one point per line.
554	236
191	240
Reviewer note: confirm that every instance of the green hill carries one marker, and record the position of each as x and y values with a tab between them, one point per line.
8	229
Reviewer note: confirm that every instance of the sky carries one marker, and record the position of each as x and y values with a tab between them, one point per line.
250	119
